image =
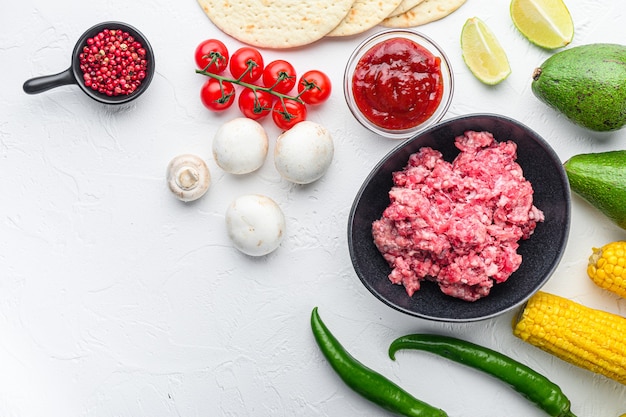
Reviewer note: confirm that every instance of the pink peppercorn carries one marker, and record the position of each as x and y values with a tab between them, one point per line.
113	63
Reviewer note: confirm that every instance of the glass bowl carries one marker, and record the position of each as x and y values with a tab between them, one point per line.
423	41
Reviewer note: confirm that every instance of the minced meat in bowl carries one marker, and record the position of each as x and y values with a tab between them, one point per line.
458	223
478	256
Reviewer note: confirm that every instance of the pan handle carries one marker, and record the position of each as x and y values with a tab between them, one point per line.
46	82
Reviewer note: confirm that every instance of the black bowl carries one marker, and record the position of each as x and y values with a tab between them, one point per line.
74	75
541	253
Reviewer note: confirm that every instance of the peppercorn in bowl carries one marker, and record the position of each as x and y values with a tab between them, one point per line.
112	62
397	83
462	222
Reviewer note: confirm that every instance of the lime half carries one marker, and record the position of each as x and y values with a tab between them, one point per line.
482	52
546	23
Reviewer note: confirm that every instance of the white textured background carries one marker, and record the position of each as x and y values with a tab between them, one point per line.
117	300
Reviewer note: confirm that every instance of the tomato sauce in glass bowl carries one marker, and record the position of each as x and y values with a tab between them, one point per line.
397	83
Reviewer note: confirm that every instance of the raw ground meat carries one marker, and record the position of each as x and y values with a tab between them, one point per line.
458	223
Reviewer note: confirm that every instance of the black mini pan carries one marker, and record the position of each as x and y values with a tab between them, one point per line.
74	75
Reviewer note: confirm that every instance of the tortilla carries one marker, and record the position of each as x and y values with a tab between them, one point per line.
276	23
425	12
364	15
404	6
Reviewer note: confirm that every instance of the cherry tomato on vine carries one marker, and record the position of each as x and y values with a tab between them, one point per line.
279	75
212	55
255	104
244	58
315	87
217	96
288	115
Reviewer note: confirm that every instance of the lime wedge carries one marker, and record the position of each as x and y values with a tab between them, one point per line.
482	52
546	23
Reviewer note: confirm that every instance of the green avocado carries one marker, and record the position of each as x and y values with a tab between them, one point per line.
600	178
587	84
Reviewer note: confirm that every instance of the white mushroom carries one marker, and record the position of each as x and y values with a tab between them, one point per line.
304	152
255	224
240	146
188	177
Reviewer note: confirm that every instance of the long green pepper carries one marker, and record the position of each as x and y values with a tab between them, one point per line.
534	386
368	383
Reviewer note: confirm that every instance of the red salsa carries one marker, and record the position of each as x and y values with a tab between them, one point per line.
397	84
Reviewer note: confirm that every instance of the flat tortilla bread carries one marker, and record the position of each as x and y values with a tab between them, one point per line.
276	23
364	15
425	12
404	6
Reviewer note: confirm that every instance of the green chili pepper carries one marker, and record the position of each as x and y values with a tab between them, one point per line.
368	383
534	386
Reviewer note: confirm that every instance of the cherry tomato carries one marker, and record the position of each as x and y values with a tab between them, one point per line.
280	76
212	55
216	96
255	105
317	85
288	115
244	58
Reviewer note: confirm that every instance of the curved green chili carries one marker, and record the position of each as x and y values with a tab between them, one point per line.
534	386
368	383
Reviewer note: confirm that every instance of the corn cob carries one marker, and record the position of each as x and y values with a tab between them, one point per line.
591	339
607	267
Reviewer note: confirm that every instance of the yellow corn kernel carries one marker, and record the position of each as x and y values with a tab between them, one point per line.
585	337
607	267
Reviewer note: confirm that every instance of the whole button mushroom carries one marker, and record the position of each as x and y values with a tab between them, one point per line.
188	177
240	146
255	224
303	153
